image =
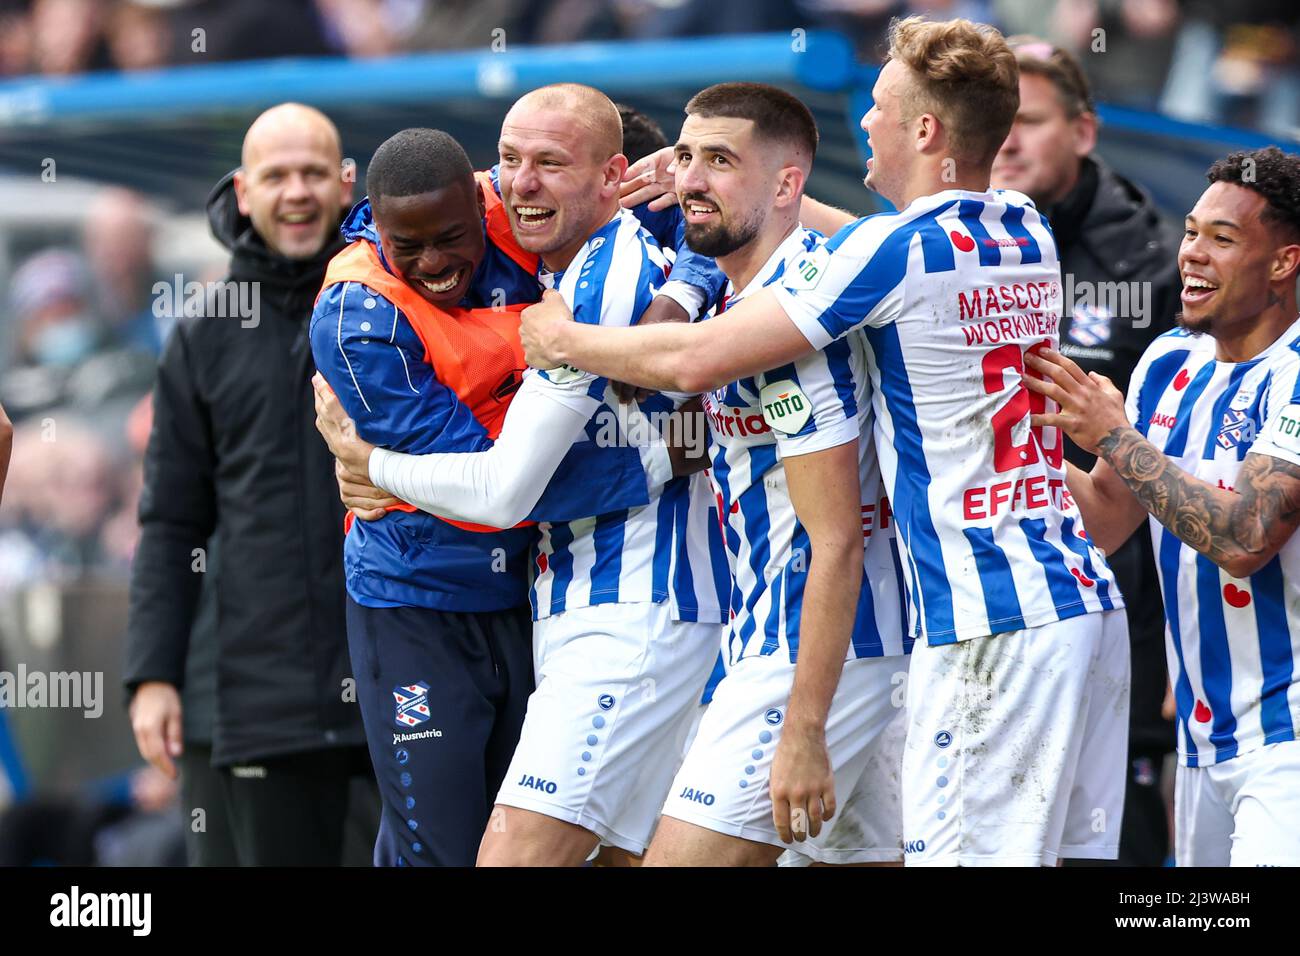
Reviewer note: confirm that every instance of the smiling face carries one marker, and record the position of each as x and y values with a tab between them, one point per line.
556	187
1041	154
887	133
724	183
434	240
291	184
1225	260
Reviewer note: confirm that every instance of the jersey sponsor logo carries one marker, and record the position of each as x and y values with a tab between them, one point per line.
914	846
1023	494
1243	398
1236	428
418	735
1090	325
1161	420
1285	433
733	422
1012	328
563	374
785	407
1235	596
963	242
529	782
808	269
605	701
412	703
875	517
508	385
696	796
987	302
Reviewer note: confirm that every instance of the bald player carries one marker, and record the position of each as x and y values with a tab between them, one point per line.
627	603
234	457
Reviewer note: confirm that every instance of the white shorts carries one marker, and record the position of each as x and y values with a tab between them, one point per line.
616	684
1242	812
723	783
868	823
1016	746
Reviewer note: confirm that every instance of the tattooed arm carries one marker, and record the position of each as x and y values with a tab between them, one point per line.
1240	530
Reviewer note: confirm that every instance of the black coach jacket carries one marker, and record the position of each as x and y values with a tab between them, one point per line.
234	450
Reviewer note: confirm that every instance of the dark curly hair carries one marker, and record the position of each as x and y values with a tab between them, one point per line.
1273	174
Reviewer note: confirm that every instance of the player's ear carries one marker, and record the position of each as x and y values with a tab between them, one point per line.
478	195
928	131
615	168
241	191
1284	265
1085	134
789	186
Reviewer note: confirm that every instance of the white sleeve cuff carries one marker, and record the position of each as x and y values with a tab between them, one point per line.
686	295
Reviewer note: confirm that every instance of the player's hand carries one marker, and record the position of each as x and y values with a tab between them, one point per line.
662	308
156	722
339	431
802	784
361	497
651	179
1090	405
540	329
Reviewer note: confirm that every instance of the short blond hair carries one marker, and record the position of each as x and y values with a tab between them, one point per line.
965	74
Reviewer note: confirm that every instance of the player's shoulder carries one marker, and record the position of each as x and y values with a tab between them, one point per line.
1178	340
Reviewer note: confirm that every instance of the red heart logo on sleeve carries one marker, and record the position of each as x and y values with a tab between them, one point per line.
964	243
1235	595
1202	713
541	562
1181	380
1082	578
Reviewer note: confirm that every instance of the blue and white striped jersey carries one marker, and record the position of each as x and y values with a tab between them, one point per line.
819	402
951	292
667	550
1233	644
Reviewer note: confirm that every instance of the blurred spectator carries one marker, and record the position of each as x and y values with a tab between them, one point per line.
370	28
64	354
461	24
118	240
6	448
67	36
139	36
129	820
65	483
248	30
1236	63
15	37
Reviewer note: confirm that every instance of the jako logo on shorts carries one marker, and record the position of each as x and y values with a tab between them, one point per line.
536	783
698	796
914	846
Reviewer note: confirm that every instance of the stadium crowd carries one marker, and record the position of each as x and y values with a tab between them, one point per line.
1197	60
